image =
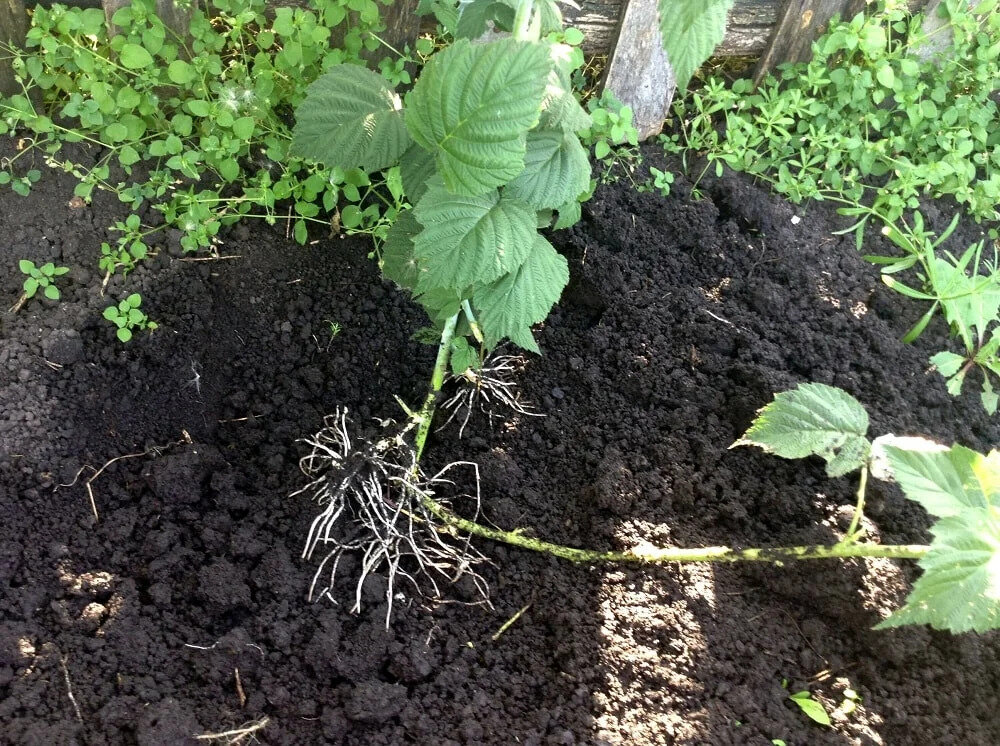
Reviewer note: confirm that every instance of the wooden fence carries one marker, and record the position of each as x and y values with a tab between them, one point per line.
637	71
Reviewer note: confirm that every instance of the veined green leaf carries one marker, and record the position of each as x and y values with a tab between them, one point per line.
569	215
691	30
470	240
556	170
416	167
560	107
959	590
949	481
813	420
398	262
509	306
352	119
473	16
472	105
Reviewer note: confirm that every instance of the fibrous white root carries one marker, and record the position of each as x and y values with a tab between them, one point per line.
485	388
372	498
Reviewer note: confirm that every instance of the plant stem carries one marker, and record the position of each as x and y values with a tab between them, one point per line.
426	413
661	555
522	20
859	510
473	324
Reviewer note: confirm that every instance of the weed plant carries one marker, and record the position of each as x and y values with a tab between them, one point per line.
196	126
868	119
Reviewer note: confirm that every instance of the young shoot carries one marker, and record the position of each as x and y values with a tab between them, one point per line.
38	278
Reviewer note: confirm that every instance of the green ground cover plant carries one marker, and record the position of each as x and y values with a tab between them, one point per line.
870	118
128	317
38	278
196	126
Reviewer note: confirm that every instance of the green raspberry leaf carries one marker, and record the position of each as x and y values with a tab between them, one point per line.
509	306
813	420
398	262
946	482
470	240
556	170
416	168
959	590
350	118
463	356
691	30
472	105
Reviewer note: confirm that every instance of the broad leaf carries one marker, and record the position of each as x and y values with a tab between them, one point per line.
691	30
473	17
813	420
472	105
569	215
416	168
352	119
470	240
509	307
556	170
946	482
441	303
560	107
463	356
398	262
959	590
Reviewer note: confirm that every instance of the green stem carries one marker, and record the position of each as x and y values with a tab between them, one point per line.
522	20
660	555
477	332
426	413
859	510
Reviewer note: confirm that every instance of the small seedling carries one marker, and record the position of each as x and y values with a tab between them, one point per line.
811	706
334	328
128	317
38	278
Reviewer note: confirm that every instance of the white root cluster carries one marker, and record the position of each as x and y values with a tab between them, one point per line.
493	384
373	505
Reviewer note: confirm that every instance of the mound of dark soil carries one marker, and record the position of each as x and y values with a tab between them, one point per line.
180	609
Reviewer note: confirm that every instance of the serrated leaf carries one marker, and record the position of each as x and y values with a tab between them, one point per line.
508	307
946	482
959	590
440	303
569	214
470	240
947	363
560	107
398	262
813	420
473	16
556	170
416	168
463	356
691	29
352	119
472	105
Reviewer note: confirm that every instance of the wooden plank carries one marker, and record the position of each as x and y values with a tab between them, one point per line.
638	71
799	25
13	26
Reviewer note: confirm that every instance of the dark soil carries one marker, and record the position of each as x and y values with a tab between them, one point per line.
683	317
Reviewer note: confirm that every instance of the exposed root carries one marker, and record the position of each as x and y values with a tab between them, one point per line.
236	735
373	500
493	384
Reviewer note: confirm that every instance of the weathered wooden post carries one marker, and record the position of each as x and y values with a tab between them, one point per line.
798	26
638	71
13	26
